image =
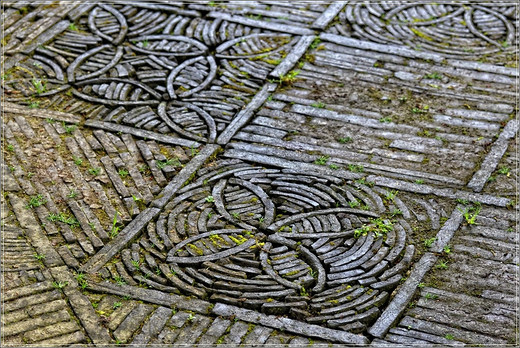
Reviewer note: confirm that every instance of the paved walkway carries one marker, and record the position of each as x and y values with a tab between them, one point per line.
259	173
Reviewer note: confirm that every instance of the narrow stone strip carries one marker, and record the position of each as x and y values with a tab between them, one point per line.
292	58
397	50
448	230
141	133
289	325
494	156
42	113
46	36
131	231
261	24
183	176
81	306
400	302
326	17
441	192
279	162
245	115
122	239
34	233
152	296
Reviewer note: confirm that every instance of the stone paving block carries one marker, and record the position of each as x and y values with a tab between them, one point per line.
260	173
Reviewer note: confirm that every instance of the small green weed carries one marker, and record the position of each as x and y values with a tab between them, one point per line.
354	204
356	168
470	214
36	201
169	162
442	265
59	285
429	242
322	160
77	161
39	85
64	218
94	171
504	170
115	229
345	140
434	75
123	173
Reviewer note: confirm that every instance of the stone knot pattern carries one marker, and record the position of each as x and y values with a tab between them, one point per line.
456	30
279	241
188	81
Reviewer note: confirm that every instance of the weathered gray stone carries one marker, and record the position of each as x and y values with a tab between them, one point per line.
289	325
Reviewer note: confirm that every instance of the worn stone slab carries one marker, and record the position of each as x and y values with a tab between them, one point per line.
289	325
42	113
494	156
370	46
399	303
262	24
152	296
34	232
441	192
141	133
326	17
81	306
293	57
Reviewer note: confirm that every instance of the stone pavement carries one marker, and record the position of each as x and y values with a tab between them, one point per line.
259	173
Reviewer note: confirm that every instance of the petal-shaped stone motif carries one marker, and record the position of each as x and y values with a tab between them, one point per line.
451	29
279	241
108	23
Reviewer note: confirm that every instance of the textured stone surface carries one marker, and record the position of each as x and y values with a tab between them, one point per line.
232	173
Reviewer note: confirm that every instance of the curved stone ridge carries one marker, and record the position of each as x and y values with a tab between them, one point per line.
456	30
131	61
280	241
